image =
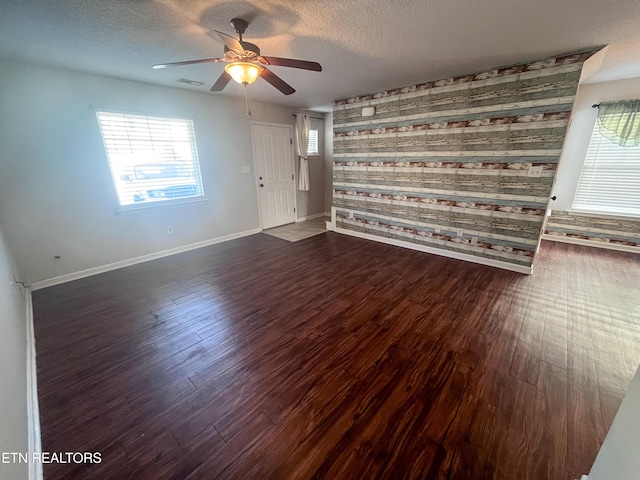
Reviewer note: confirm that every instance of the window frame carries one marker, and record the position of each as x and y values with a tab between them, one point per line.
317	152
123	209
585	211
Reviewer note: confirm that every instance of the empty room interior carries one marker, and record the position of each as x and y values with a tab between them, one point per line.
319	240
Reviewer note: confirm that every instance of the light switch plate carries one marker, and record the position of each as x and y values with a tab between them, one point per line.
245	169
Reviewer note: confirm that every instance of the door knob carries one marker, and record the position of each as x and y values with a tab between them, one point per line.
261	185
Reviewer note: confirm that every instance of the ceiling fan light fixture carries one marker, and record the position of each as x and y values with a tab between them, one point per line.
243	72
246	63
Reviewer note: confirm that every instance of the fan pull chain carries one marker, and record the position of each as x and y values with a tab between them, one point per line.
246	99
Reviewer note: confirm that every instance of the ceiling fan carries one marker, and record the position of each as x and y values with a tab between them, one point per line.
245	64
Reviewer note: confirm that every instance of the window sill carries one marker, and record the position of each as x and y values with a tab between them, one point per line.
613	216
131	209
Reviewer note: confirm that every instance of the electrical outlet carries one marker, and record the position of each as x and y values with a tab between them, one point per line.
245	169
459	232
535	171
368	111
474	240
169	230
437	229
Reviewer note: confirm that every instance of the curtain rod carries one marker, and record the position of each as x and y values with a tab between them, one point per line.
615	102
317	118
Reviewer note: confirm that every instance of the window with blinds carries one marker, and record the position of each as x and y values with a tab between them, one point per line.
610	180
153	160
313	142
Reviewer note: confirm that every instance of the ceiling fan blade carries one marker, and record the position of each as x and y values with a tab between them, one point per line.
293	63
221	82
277	82
231	42
189	62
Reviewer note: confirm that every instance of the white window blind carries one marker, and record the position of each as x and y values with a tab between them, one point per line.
610	180
313	142
153	160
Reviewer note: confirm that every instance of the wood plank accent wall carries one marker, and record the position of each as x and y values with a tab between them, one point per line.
594	228
455	153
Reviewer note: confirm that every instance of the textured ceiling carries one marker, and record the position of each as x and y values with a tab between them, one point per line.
363	45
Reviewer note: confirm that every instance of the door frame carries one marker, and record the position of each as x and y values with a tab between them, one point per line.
293	169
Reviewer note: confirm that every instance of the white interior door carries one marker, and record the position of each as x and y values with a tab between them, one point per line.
273	153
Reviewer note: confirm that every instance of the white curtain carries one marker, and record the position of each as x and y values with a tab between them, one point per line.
302	144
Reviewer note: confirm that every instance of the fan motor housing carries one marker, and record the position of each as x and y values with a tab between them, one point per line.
251	52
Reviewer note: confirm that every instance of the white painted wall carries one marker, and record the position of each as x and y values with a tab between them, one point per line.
576	142
619	457
311	202
328	161
13	361
56	195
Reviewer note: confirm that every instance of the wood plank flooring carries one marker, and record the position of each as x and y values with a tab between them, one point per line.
337	358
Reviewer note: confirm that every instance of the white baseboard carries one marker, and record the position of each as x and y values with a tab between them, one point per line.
310	217
590	243
33	410
135	260
437	251
327	214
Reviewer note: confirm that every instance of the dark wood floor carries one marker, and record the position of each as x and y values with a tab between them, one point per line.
337	358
